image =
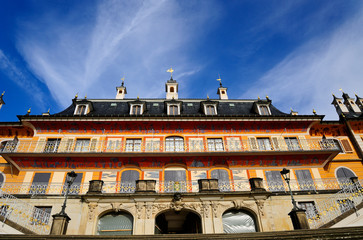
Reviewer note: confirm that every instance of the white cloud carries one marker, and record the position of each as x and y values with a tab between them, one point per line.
138	39
22	79
306	78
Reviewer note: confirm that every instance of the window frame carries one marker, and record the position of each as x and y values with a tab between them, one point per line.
82	111
265	107
292	146
259	143
136	105
207	108
130	145
82	147
175	147
214	146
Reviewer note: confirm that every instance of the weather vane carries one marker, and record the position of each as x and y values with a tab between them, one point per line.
219	80
171	72
123	80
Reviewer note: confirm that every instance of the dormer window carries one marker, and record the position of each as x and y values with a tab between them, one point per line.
136	109
173	110
264	110
210	110
81	109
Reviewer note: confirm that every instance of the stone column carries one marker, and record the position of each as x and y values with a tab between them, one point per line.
60	224
95	186
299	220
256	184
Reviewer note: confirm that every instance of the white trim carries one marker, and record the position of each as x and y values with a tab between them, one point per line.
263	105
168	105
208	105
132	105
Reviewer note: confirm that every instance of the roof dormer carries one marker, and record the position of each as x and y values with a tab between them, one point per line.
137	107
209	107
359	102
262	107
83	107
173	107
351	105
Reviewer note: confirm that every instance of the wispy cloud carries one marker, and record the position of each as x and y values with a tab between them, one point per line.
23	79
306	78
138	39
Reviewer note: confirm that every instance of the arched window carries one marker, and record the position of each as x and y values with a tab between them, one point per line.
120	223
174	144
223	179
344	174
171	89
128	181
235	221
175	180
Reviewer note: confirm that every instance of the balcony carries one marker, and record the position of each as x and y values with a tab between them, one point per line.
312	185
154	146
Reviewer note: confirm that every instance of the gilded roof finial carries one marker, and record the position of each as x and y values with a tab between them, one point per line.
340	89
48	110
123	80
171	70
207	97
3	93
76	95
314	112
29	110
85	97
258	97
219	80
267	97
138	97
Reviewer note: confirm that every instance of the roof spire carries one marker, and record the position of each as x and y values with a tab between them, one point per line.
219	80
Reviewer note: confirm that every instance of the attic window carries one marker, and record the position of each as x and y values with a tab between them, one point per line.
190	104
173	110
81	109
231	104
155	104
264	110
210	109
113	104
136	109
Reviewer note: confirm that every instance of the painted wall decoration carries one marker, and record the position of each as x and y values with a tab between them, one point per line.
161	162
21	131
150	127
328	130
357	127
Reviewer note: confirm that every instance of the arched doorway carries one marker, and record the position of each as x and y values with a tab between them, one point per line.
178	222
238	221
115	223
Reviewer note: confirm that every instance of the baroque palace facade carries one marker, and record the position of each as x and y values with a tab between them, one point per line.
158	166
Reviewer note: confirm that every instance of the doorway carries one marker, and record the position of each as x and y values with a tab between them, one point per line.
178	222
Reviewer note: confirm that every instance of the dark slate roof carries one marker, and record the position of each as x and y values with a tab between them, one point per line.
157	107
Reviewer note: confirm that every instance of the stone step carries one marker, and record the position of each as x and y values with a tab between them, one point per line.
321	234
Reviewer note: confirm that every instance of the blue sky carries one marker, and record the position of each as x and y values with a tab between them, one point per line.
296	52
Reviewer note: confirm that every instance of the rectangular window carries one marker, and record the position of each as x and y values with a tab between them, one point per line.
305	180
210	110
80	110
133	145
264	144
264	110
41	215
292	143
173	110
215	144
136	110
274	181
52	145
40	183
82	145
174	144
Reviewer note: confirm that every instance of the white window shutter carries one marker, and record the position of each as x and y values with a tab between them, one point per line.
304	143
93	145
253	143
275	143
282	144
41	144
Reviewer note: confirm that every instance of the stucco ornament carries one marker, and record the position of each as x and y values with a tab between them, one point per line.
215	207
149	210
139	207
91	211
205	209
260	205
116	206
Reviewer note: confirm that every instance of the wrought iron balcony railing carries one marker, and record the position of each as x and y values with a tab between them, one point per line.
174	186
156	146
24	214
